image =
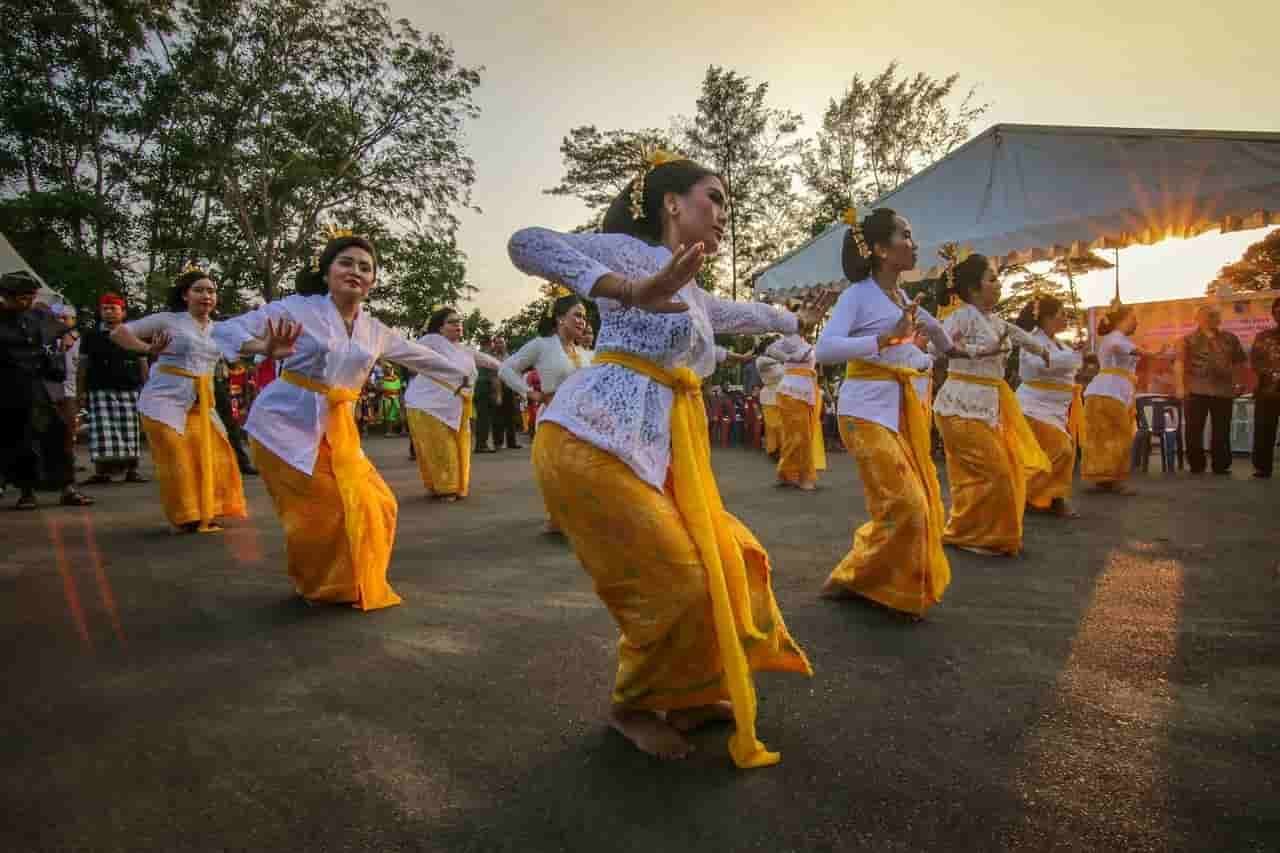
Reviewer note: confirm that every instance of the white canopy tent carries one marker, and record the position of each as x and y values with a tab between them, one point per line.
1024	193
11	261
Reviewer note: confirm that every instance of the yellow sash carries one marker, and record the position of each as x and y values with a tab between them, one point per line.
349	463
698	501
818	444
204	408
1017	434
916	428
1075	413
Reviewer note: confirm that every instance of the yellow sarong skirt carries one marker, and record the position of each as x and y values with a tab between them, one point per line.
311	510
1109	428
647	570
772	429
987	500
177	459
1043	488
890	559
802	455
444	455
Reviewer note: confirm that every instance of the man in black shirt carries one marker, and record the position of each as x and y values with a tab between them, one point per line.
32	432
112	378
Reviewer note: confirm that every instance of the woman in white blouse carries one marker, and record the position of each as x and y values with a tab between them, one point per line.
897	558
802	453
622	454
990	447
440	413
555	354
339	516
1110	419
771	372
1050	399
199	477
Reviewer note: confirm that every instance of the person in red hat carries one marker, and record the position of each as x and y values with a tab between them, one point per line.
112	377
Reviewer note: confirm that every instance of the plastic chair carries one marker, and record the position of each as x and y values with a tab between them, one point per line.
1159	418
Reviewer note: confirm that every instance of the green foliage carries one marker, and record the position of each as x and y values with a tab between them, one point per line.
144	134
477	328
419	274
749	143
1257	269
878	134
599	164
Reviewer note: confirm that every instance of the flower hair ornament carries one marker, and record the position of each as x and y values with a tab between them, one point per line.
554	291
850	218
192	267
653	158
953	255
333	232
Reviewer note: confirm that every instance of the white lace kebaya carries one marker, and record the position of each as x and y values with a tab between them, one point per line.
794	351
618	410
975	331
1117	352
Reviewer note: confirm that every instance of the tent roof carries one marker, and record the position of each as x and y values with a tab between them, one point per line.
1021	193
11	261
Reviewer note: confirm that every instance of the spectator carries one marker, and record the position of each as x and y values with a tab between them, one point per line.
111	378
1205	370
1265	357
32	432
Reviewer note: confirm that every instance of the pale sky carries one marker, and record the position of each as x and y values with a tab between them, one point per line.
555	65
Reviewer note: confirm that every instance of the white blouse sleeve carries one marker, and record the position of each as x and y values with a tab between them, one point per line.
511	371
146	327
417	357
959	327
1020	336
230	335
836	344
936	332
729	317
576	260
484	360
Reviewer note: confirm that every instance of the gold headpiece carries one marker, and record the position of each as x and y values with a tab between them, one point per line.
192	267
333	232
315	263
653	159
554	290
850	218
953	255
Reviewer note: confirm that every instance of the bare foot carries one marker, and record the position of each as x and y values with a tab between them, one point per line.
650	734
983	552
808	487
688	719
550	527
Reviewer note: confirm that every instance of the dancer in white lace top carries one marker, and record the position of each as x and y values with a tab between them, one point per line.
622	455
799	402
1110	420
990	447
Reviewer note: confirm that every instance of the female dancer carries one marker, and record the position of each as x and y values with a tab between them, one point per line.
1053	406
897	558
623	454
338	514
555	355
990	448
771	372
440	414
1110	421
199	477
803	453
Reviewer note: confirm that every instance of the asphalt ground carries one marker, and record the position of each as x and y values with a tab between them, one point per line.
1116	688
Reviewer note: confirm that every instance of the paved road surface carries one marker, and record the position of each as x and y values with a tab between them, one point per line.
1118	688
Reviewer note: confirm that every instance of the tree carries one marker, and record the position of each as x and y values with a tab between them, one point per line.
1257	269
476	328
599	164
749	143
878	134
419	274
309	121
